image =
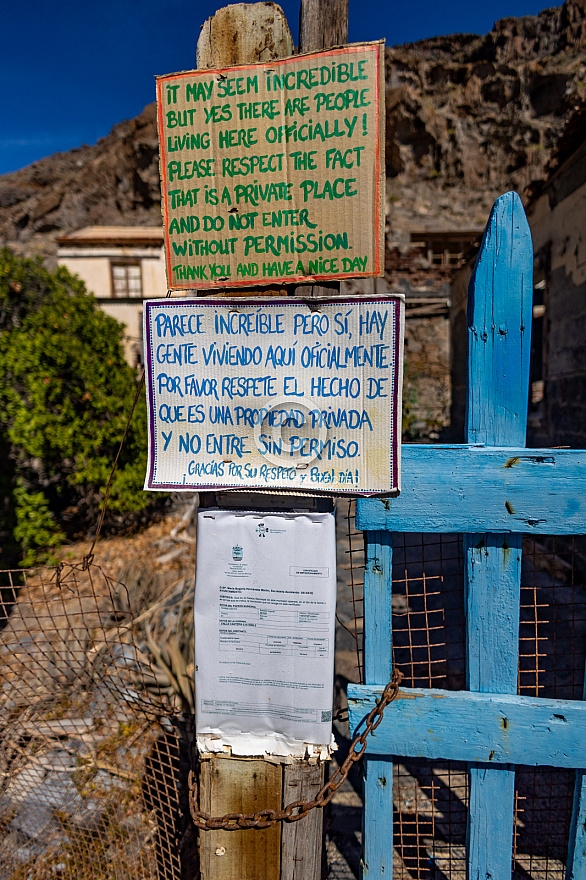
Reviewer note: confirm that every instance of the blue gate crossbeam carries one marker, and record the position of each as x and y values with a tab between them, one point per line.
491	728
493	491
484	489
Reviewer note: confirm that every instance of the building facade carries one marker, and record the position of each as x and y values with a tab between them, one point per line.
121	266
557	217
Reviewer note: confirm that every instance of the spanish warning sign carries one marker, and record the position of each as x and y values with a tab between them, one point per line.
274	172
274	394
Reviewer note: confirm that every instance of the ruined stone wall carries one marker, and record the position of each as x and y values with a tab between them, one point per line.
558	226
459	350
426	387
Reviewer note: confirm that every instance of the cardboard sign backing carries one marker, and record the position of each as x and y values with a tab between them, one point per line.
274	172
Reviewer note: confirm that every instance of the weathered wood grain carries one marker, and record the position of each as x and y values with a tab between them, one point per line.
483	489
322	24
244	33
301	842
240	785
477	727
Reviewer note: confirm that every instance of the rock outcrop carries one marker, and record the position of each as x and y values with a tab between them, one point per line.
467	118
115	182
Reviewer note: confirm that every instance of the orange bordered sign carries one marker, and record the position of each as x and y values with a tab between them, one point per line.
274	173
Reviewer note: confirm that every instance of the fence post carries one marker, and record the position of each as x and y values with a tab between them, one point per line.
243	34
576	860
377	816
322	24
499	328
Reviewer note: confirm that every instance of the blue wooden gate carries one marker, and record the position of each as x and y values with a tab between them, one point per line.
492	490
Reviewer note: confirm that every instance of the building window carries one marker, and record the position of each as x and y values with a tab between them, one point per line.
126	280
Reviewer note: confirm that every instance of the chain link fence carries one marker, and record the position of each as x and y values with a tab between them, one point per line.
96	705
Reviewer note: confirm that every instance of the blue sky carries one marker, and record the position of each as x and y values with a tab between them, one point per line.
70	70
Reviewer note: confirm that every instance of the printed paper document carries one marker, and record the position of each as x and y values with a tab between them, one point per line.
265	603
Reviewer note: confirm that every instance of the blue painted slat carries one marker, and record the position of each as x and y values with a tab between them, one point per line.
500	302
476	727
479	488
377	819
489	834
492	603
378	636
377	816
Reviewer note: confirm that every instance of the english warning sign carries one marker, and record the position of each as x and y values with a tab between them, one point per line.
274	172
274	394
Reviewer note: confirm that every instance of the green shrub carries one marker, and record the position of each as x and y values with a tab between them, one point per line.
65	395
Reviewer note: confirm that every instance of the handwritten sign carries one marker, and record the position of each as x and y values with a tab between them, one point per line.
274	394
274	172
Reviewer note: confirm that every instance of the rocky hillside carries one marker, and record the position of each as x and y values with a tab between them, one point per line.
116	182
467	118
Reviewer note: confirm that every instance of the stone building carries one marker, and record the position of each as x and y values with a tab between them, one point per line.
556	211
121	266
421	267
557	217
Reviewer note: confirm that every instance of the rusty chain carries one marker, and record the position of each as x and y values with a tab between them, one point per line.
298	809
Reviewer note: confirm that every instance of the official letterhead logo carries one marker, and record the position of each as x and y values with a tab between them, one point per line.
261	530
237	553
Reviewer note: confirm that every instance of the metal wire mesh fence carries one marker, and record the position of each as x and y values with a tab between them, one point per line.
96	712
431	797
90	739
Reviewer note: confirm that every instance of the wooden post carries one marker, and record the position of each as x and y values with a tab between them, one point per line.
322	24
498	379
240	785
244	34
